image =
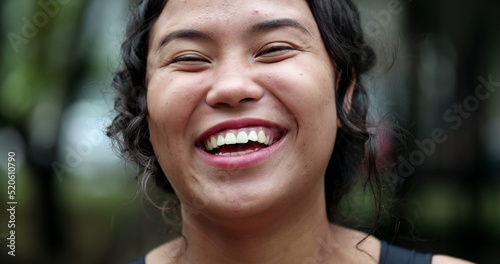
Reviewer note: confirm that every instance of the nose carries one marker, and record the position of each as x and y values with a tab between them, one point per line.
232	87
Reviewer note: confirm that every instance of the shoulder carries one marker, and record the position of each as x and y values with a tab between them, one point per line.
359	246
167	253
441	259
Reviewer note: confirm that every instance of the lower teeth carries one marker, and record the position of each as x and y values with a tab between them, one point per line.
237	153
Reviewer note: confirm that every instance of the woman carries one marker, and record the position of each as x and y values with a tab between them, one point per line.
253	113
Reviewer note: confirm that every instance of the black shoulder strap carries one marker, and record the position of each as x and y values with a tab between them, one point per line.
390	254
140	260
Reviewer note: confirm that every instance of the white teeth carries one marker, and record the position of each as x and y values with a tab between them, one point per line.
261	137
230	139
213	141
237	153
220	141
208	145
268	140
253	136
238	137
242	138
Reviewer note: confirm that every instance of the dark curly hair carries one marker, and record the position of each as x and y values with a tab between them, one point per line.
339	25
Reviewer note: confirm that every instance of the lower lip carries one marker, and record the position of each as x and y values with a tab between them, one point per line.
241	161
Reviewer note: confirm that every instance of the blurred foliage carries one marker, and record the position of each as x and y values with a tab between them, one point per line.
78	203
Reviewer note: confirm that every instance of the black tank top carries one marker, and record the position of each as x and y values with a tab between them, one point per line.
389	254
140	260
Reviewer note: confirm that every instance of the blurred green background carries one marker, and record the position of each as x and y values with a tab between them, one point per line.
78	203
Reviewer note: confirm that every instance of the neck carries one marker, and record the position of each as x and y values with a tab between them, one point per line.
297	234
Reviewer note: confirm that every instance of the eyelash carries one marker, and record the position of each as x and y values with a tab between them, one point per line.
187	58
191	58
275	49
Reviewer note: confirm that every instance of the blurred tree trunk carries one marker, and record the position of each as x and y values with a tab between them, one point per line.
73	71
60	80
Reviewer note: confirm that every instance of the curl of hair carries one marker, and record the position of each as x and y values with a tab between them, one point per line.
339	25
129	129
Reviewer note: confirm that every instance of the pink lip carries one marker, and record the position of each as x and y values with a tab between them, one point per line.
240	161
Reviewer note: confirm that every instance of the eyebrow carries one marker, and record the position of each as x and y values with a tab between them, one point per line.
183	34
275	24
264	26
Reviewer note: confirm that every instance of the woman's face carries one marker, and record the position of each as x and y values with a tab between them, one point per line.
241	104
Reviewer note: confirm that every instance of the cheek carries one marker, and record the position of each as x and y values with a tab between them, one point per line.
172	100
308	93
166	120
170	106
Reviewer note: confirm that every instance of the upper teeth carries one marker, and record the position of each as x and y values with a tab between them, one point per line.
238	137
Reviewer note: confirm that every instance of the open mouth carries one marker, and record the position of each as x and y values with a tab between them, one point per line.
234	142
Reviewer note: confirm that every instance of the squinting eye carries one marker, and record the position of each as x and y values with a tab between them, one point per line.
276	52
275	49
188	58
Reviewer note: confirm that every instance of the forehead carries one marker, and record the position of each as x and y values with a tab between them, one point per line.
228	16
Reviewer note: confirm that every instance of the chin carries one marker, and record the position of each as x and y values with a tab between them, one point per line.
236	200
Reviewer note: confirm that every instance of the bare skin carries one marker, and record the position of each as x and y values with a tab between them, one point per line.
214	62
366	252
339	242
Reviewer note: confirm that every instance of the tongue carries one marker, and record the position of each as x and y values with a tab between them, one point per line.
239	147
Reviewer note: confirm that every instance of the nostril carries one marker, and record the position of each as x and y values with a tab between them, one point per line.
246	99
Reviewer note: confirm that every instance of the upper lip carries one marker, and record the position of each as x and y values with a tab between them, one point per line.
237	124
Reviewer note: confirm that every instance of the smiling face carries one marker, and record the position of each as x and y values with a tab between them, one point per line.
241	104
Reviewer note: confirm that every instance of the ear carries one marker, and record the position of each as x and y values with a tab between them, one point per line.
348	96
